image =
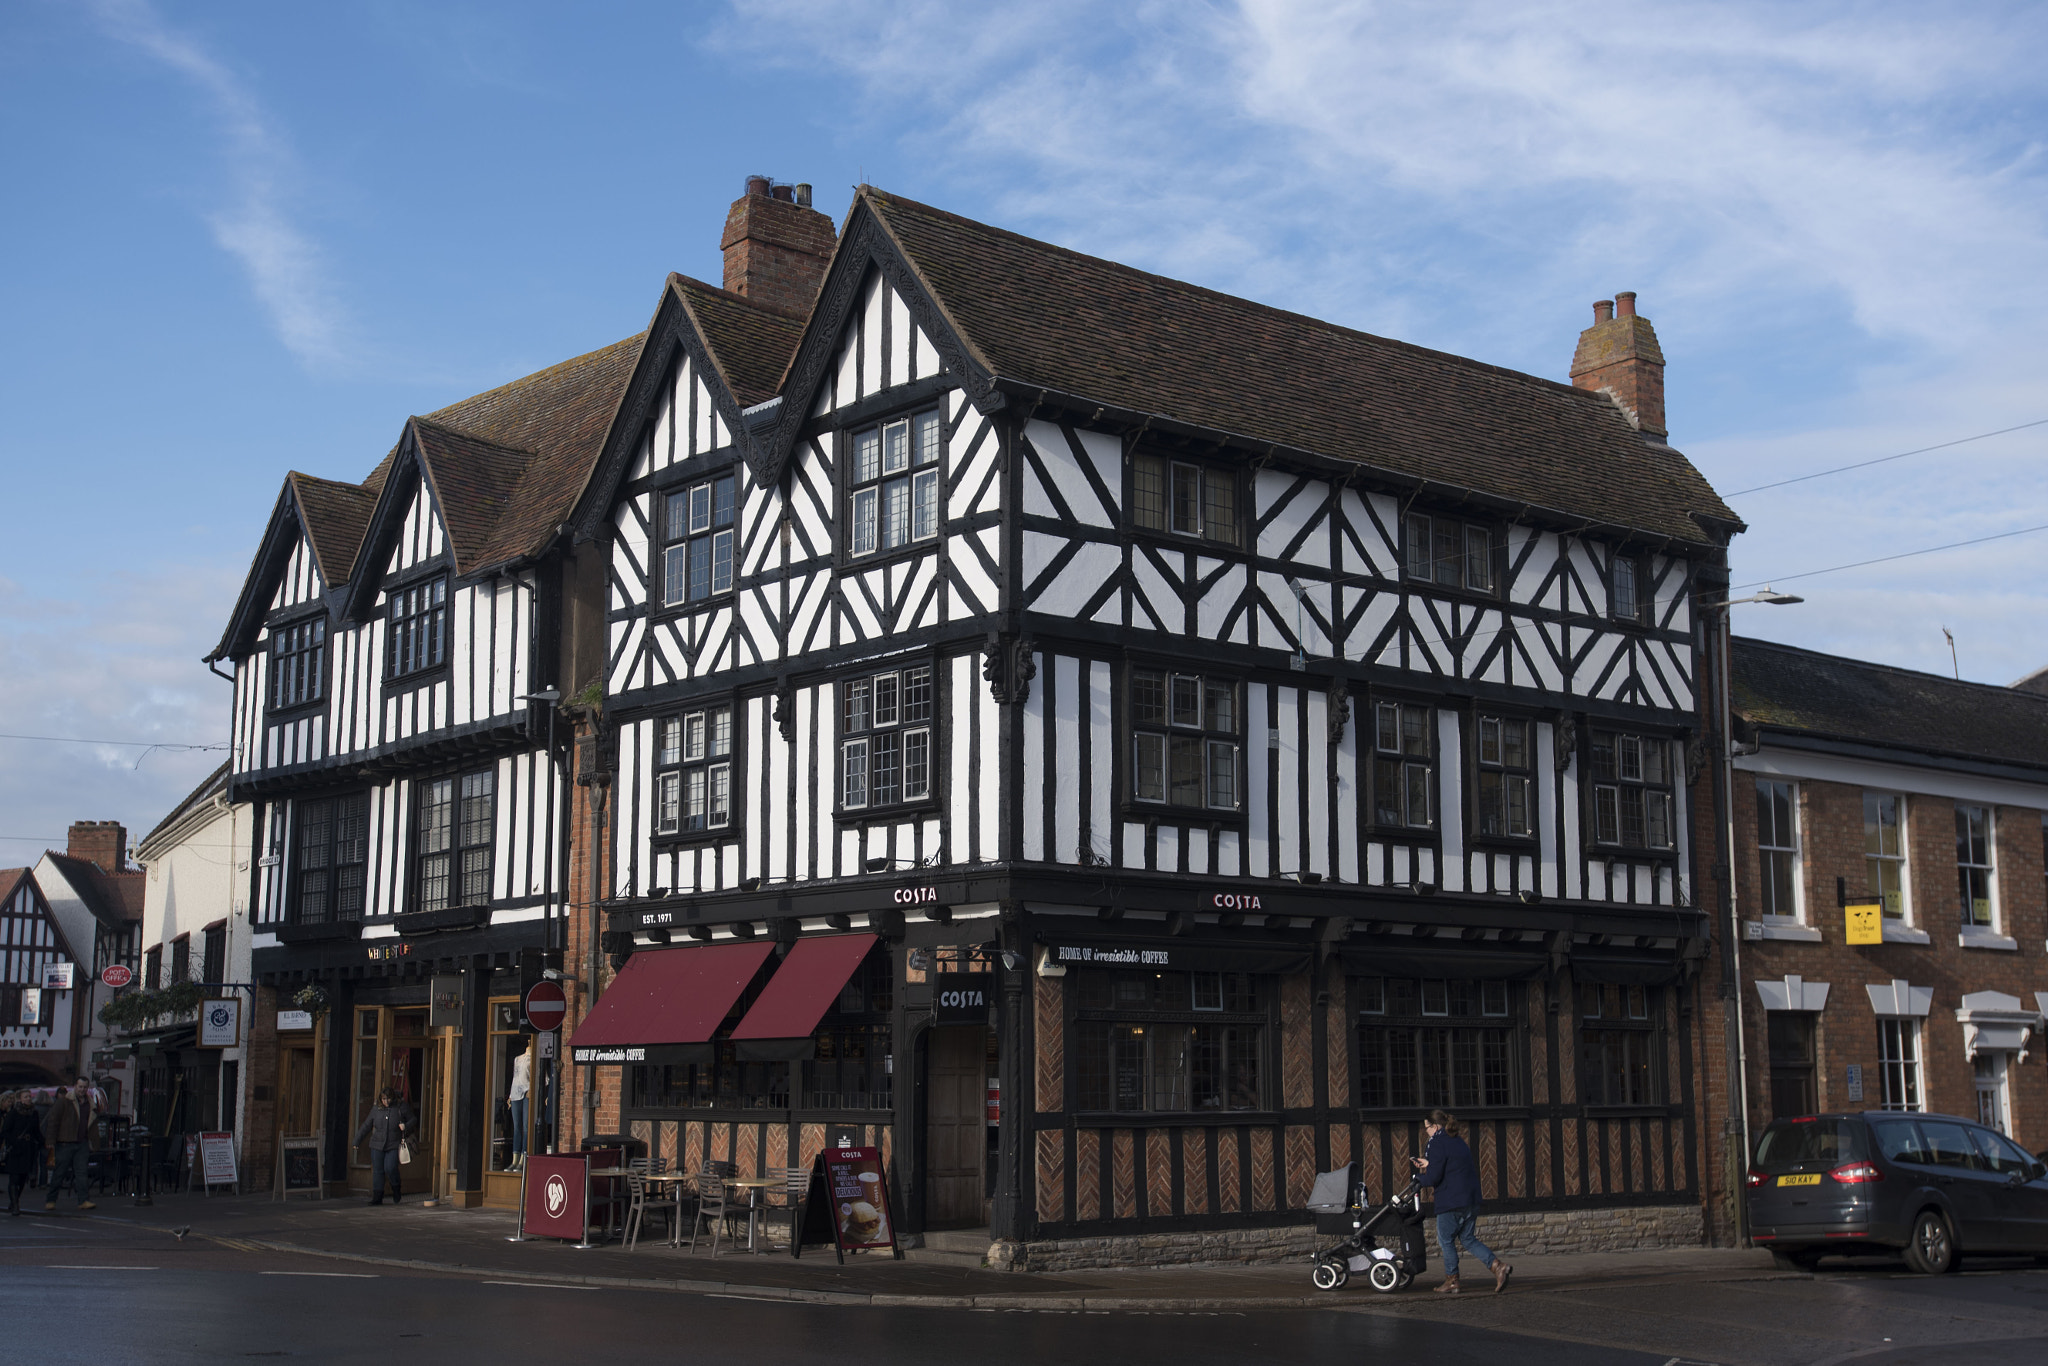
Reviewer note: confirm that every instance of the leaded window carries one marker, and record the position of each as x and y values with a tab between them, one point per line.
1621	1047
1433	1042
885	748
893	483
1185	731
1169	1041
1183	498
419	629
331	860
1632	796
1404	765
697	559
1450	553
456	822
1505	803
298	663
1629	597
693	782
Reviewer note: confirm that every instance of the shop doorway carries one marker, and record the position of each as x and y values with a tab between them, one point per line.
299	1113
397	1049
956	1128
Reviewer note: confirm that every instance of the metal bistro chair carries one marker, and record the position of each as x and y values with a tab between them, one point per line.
796	1186
711	1205
638	1170
636	1206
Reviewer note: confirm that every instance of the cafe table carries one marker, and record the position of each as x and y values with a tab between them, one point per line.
755	1209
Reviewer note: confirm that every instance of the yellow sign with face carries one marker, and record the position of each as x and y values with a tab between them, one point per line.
1864	921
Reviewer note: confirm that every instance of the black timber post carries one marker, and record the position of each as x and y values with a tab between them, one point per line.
472	1121
1011	1215
341	1030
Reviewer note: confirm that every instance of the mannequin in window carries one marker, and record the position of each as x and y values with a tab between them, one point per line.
522	1086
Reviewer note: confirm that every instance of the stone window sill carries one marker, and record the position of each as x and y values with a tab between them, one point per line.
1785	929
1985	939
1905	934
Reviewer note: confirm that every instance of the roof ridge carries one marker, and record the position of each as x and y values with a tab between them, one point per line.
427	420
2002	690
1239	299
676	277
533	375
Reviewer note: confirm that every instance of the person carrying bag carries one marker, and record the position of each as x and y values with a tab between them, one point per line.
386	1128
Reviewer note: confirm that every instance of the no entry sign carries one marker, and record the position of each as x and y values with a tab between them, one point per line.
545	1006
114	975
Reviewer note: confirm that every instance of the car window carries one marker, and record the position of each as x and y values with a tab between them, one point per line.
1899	1140
1830	1141
2000	1153
1948	1145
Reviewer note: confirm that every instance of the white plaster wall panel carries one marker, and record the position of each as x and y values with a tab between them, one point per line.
1544	814
805	757
704	429
971	459
1585	590
977	588
1032	731
1568	806
1066	775
899	347
1083	502
1315	755
857	614
1451	799
1082	577
959	674
1540	549
872	306
925	356
1155	604
1258	849
996	766
1167	852
1101	751
663	440
1349	791
1133	851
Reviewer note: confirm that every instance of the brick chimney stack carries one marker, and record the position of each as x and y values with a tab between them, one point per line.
1619	356
776	245
102	843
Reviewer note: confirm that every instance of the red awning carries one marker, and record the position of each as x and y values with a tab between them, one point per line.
665	1004
796	997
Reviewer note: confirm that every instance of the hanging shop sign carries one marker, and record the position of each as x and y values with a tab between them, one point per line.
220	1022
117	976
848	1204
1864	922
961	998
444	1001
31	1006
59	976
290	1020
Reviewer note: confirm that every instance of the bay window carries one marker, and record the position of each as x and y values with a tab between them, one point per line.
885	749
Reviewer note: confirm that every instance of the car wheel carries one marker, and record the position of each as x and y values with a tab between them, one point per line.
1931	1250
1330	1274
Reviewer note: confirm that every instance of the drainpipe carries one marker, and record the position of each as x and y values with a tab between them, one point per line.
1738	1043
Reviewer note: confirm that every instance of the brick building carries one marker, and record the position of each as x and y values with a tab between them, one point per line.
1858	782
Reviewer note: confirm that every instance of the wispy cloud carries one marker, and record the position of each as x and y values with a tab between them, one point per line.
256	227
1836	214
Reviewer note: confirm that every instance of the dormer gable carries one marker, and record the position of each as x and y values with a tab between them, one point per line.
308	551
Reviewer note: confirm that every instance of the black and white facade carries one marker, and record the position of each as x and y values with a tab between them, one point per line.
1210	689
397	655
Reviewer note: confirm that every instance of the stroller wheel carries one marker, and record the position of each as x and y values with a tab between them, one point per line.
1330	1274
1385	1277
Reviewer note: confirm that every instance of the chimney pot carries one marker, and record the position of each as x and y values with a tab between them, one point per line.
785	193
776	245
757	186
803	195
1603	310
1625	303
1620	357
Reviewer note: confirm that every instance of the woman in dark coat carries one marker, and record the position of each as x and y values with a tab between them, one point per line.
21	1146
385	1127
1447	1165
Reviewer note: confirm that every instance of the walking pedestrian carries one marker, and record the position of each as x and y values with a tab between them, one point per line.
21	1145
1447	1165
385	1127
66	1131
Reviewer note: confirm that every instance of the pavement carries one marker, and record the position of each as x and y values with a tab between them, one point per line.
444	1239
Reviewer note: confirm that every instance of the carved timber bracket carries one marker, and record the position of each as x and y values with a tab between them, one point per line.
1009	668
1567	740
1340	709
785	710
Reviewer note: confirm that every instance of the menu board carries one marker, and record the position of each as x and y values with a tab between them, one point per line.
299	1166
556	1195
217	1159
848	1204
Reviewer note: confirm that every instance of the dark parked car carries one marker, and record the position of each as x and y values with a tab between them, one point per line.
1933	1186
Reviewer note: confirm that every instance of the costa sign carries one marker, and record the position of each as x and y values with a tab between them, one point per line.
960	998
916	896
1235	901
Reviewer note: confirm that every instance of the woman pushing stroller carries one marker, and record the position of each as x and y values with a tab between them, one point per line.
1446	1164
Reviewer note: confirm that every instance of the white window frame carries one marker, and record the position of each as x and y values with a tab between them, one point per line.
1498	806
1992	924
910	724
1790	851
1641	763
691	517
1188	728
1901	1071
1900	863
693	757
901	459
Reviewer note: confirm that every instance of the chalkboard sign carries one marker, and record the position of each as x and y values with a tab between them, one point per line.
298	1167
848	1204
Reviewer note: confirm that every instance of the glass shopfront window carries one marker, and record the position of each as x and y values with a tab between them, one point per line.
513	1117
1170	1041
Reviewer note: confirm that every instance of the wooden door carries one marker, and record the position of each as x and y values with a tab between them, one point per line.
956	1128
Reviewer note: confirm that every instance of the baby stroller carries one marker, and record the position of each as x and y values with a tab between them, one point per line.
1341	1205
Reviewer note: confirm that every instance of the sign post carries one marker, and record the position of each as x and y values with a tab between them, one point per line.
545	1007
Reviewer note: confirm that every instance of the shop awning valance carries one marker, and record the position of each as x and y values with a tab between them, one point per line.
665	1004
1168	954
788	1009
1447	961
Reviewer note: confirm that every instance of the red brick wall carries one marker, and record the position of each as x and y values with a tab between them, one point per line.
1831	846
776	251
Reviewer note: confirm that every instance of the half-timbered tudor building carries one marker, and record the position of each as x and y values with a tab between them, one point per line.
1124	748
39	1028
96	898
396	652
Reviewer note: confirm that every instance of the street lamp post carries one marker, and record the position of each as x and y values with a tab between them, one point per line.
1739	1049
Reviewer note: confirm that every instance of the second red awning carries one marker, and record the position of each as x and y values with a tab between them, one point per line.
788	1009
665	1004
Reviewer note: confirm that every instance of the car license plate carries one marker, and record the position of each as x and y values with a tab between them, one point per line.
1810	1179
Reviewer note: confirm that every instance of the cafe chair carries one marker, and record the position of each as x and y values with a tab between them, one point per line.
636	1208
796	1185
711	1207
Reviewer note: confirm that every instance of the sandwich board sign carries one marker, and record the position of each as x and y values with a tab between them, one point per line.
848	1204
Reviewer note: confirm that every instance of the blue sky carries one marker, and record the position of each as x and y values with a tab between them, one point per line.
248	238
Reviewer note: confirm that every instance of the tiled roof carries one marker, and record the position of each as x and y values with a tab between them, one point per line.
115	899
213	782
474	483
1043	316
750	342
560	416
335	516
2037	681
1782	687
10	878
